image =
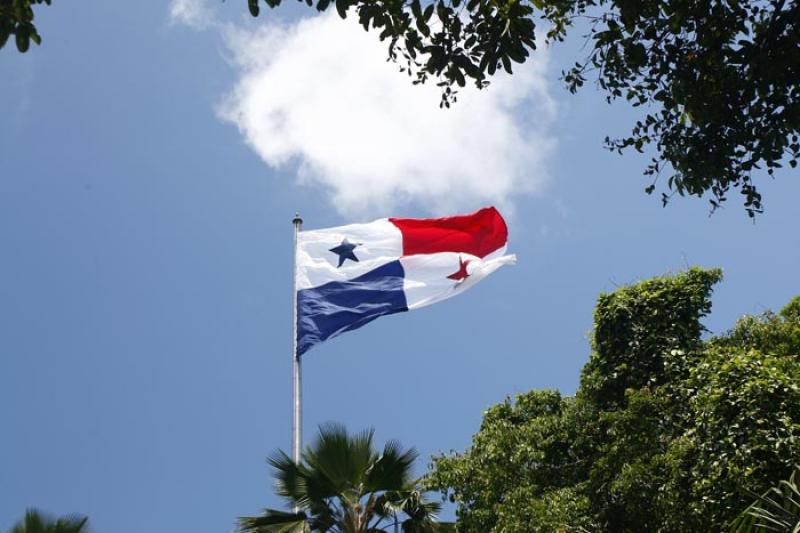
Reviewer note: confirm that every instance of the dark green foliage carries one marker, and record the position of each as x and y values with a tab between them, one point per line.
778	334
525	468
745	418
718	79
16	18
627	466
37	522
343	485
636	327
667	432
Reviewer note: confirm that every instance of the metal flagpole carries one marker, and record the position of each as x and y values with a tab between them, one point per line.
296	376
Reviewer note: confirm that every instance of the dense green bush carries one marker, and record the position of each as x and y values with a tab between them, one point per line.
667	431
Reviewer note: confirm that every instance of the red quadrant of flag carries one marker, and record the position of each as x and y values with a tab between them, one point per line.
479	233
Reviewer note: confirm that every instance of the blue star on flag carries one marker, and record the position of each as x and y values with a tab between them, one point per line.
345	251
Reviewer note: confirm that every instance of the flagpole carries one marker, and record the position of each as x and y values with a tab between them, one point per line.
297	429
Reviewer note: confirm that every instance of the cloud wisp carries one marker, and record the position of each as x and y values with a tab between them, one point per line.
317	99
197	14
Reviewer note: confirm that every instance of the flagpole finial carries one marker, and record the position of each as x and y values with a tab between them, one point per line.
297	220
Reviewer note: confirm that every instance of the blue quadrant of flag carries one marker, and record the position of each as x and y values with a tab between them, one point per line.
340	306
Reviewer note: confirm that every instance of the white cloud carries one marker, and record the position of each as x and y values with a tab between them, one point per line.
193	13
317	99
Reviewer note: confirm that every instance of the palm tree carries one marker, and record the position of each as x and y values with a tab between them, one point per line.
37	522
342	485
778	509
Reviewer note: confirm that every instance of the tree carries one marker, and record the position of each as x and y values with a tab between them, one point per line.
16	18
667	431
525	470
342	485
37	522
719	79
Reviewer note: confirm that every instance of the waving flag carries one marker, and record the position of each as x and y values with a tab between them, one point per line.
350	275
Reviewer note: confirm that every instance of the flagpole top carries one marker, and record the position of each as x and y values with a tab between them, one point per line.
297	220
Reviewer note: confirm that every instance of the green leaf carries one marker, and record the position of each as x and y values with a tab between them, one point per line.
342	7
422	26
416	9
442	12
4	34
428	13
506	64
23	41
459	77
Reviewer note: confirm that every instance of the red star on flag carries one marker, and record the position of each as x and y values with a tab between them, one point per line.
461	274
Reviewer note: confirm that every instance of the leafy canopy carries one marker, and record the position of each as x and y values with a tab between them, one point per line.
667	431
718	79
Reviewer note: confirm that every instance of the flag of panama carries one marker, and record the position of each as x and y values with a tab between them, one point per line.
350	275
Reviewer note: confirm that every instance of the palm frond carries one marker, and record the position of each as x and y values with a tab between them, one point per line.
323	516
73	524
339	460
273	521
418	514
778	509
289	479
36	521
393	468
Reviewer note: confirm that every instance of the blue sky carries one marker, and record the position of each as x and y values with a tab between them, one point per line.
145	229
